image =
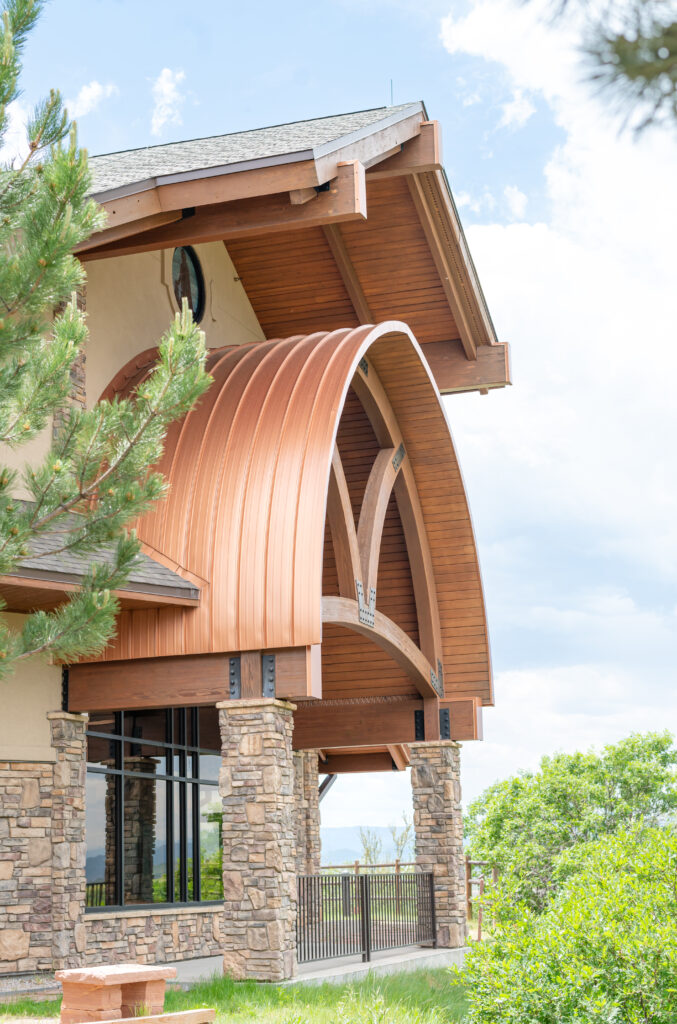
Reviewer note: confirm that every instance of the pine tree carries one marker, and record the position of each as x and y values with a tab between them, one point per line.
630	47
95	480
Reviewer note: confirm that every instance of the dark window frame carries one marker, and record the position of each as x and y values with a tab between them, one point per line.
188	757
194	261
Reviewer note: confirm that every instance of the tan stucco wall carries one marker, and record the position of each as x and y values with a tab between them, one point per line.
129	307
26	696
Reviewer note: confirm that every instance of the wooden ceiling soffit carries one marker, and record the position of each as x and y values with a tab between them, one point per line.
454	372
332	233
204	679
345	199
422	153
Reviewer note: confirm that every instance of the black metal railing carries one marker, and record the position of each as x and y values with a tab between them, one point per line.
351	915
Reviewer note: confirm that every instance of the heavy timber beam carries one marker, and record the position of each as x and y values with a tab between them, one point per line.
386	634
338	724
190	680
345	199
454	372
465	718
118	232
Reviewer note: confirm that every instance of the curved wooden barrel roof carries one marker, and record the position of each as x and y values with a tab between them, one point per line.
248	470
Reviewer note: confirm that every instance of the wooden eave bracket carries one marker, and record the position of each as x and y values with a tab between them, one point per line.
454	372
345	199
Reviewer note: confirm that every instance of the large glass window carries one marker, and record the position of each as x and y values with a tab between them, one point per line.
153	807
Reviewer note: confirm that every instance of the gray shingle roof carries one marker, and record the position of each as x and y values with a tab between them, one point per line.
293	141
148	577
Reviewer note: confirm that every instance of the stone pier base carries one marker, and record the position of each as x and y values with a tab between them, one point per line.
438	824
307	799
256	784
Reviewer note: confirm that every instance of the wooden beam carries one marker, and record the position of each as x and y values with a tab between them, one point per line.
192	680
120	231
371	147
346	269
373	513
299	196
367	724
422	153
22	593
337	763
454	372
344	200
441	259
465	718
400	755
386	634
372	395
342	526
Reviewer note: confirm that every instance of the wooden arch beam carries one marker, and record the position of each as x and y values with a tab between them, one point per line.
386	634
372	395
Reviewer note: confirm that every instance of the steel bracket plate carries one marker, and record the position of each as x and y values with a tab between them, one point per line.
234	679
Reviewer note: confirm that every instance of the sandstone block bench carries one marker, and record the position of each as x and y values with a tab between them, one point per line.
119	992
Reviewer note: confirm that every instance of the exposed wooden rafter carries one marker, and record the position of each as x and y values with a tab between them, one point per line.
444	268
346	269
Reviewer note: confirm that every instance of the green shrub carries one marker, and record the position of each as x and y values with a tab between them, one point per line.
525	823
605	949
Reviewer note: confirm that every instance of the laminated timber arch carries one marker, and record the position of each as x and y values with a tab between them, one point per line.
254	474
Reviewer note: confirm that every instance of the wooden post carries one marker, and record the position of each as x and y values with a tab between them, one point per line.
479	912
468	886
357	867
398	887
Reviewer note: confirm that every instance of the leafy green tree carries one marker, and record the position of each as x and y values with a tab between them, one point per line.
604	951
95	480
372	846
523	824
402	837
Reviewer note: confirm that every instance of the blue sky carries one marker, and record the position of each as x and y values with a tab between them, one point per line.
571	473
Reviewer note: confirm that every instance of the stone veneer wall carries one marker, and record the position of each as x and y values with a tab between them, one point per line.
42	851
154	936
256	784
307	799
438	824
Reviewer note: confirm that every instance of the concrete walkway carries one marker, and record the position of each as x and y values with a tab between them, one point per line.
337	972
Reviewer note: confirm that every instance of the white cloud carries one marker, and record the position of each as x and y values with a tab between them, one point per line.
517	111
167	100
516	200
89	98
15	144
477	204
471	99
542	711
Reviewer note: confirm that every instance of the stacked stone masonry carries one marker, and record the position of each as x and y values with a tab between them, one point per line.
256	784
42	851
438	824
154	936
307	799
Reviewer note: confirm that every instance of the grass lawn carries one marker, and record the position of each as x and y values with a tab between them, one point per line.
420	997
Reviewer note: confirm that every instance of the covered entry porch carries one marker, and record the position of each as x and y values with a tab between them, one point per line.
317	506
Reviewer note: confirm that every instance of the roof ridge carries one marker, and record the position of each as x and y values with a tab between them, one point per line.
251	131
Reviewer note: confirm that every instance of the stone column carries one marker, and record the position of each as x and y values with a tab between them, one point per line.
68	838
307	800
256	784
438	824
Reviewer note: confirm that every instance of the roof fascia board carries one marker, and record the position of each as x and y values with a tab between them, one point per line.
326	148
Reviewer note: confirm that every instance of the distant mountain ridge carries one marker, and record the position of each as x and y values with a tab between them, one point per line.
343	846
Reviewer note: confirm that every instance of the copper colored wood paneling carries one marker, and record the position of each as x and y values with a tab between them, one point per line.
248	472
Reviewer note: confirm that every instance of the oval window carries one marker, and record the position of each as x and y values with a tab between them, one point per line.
188	280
